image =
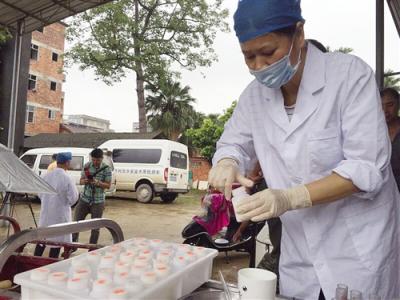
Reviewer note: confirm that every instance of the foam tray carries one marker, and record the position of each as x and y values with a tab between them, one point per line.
185	274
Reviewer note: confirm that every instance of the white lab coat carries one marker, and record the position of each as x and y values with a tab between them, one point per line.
56	209
338	126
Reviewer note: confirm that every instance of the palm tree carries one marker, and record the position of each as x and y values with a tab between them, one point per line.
169	108
392	81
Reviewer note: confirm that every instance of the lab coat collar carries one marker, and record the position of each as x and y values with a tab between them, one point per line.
313	80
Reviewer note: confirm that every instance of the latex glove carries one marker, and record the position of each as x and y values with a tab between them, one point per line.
269	203
224	174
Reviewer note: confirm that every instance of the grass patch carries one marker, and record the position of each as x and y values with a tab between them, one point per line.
193	197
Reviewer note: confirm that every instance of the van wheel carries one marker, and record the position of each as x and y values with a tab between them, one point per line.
168	197
144	193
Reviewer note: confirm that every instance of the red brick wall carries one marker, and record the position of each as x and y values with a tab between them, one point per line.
200	168
43	98
42	123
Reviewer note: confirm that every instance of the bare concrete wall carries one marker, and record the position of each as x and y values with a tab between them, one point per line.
6	66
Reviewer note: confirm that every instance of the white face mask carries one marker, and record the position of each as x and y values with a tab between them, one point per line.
279	73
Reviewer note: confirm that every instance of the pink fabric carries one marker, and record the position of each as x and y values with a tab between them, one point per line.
218	215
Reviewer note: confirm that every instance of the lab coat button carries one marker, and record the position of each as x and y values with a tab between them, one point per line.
297	180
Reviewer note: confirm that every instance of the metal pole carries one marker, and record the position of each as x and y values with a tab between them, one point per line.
380	43
14	87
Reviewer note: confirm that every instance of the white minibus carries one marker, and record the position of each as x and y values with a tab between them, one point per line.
150	167
39	159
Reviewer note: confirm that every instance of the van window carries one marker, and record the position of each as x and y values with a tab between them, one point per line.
29	160
108	161
45	161
178	160
75	165
137	156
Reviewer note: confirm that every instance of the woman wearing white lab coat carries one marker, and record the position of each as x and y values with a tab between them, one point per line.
327	163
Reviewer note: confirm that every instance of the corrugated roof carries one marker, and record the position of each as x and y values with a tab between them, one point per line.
39	13
77	128
83	140
394	6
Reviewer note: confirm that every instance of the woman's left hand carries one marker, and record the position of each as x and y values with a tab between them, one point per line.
270	203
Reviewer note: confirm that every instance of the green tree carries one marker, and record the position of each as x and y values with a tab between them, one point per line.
205	138
148	37
345	50
392	81
169	108
4	34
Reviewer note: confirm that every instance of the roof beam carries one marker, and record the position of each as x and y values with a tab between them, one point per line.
23	11
59	3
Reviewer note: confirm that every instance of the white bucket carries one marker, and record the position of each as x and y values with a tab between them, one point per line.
256	284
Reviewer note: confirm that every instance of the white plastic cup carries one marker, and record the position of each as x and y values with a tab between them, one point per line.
77	284
238	195
58	279
118	293
101	287
40	274
256	284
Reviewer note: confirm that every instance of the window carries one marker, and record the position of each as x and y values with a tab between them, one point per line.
32	82
54	56
138	156
178	160
30	114
76	163
52	114
40	29
45	161
29	160
108	161
53	85
34	51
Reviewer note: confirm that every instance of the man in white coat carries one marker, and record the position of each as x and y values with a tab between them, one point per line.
315	123
56	209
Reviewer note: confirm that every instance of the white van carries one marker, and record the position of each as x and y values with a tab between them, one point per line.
39	159
150	167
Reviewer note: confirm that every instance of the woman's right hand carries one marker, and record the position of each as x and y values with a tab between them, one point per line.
224	174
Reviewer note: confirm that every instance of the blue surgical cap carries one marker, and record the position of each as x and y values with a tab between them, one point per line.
63	157
254	18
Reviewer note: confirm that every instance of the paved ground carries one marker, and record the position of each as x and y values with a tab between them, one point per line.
154	220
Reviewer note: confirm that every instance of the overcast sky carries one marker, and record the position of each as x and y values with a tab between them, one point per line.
348	23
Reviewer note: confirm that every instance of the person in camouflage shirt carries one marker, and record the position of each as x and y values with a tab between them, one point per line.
96	178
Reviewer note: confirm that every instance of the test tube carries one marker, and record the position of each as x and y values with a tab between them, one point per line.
355	295
341	292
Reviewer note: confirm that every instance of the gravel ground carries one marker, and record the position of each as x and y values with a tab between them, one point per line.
153	220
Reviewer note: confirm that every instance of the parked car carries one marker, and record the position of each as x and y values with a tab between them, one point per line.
39	159
150	167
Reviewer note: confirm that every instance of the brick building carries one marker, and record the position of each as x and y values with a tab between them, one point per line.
81	123
45	100
200	167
